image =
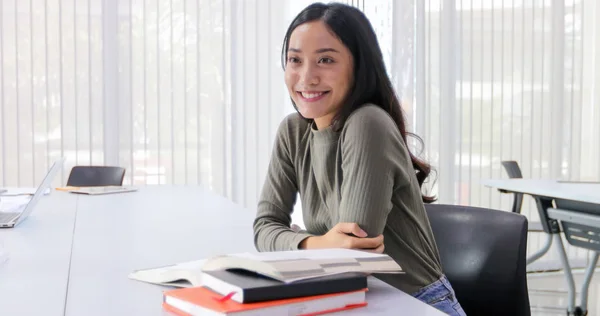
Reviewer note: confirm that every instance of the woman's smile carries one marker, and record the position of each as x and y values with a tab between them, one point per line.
312	96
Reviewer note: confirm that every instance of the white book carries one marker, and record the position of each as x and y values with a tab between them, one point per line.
284	266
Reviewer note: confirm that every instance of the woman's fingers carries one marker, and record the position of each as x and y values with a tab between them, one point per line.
366	243
350	228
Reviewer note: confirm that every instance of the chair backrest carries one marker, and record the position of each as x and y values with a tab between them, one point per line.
514	172
512	168
93	176
483	254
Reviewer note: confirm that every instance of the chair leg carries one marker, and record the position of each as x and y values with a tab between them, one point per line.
568	274
542	251
589	273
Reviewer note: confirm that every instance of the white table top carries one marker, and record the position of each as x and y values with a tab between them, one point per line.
582	191
34	279
112	235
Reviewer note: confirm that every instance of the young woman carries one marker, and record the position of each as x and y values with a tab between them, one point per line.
345	152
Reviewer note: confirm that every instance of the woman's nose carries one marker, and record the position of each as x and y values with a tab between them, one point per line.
309	76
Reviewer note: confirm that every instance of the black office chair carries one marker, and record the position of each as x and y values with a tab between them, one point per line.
483	254
514	172
93	176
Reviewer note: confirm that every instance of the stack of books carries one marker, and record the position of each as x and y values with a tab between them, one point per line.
302	282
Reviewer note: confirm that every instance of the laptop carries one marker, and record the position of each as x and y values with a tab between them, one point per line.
14	218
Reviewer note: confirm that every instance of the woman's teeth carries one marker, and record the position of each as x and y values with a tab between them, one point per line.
311	95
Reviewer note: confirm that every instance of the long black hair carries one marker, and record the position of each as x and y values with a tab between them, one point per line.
371	83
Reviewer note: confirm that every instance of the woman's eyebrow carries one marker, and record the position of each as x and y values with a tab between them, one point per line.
318	51
324	50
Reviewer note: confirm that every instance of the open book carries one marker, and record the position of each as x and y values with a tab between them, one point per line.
186	274
283	266
297	265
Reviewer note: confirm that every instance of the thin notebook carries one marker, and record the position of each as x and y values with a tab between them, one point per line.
102	190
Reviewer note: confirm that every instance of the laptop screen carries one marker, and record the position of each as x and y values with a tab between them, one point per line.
56	166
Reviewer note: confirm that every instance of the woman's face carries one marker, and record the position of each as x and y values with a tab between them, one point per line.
318	73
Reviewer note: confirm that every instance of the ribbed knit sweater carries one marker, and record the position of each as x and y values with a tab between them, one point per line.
361	174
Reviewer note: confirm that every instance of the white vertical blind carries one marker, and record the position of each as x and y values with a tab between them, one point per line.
518	83
191	91
523	88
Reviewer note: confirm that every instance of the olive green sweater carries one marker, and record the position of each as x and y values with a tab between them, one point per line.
362	174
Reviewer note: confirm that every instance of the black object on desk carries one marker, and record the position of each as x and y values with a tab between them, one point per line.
257	288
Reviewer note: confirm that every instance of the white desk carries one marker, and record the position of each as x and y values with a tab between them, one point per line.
545	192
577	191
34	279
112	235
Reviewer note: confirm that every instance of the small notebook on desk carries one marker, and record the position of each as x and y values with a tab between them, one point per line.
20	191
98	190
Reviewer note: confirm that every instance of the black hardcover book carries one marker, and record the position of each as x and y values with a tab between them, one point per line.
249	287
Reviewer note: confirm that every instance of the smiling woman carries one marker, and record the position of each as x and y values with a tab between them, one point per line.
318	73
345	152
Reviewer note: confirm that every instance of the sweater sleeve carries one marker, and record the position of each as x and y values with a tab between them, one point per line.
272	230
374	163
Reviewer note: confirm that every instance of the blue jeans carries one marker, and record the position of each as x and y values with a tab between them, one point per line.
440	295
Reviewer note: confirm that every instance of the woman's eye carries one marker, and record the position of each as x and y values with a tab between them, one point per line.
326	60
293	60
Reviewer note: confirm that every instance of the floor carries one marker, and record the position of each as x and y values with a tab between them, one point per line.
548	293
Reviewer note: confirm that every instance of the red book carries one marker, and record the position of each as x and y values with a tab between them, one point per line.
201	301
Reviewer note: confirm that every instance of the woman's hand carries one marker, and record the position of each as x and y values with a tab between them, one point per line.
340	236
